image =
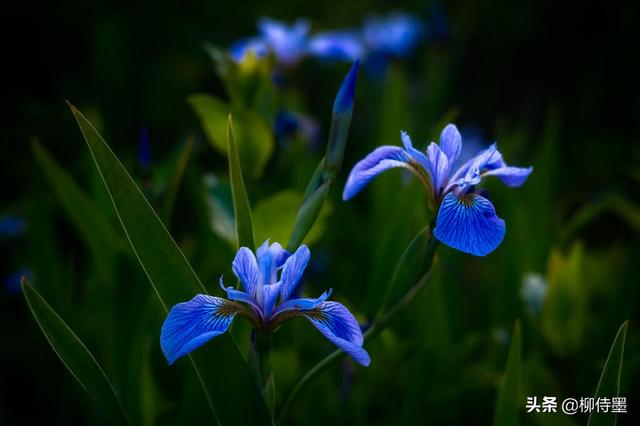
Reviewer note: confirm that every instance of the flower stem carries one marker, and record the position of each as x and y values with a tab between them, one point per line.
379	324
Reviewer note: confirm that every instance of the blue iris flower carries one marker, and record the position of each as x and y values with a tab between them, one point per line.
269	279
466	220
344	45
288	43
397	34
12	226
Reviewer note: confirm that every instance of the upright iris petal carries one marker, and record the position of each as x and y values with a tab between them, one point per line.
469	224
288	42
245	267
190	325
293	269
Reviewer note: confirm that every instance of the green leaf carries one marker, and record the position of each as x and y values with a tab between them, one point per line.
74	355
169	200
409	267
509	398
307	215
274	217
609	384
220	208
239	401
241	206
90	221
254	136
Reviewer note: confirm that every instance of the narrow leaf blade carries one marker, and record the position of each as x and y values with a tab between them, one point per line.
239	401
241	207
509	401
74	354
609	384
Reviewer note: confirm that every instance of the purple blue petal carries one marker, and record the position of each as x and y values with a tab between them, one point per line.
245	267
381	159
190	325
339	325
469	224
293	270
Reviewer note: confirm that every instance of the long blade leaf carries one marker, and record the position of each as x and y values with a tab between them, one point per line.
74	355
231	390
241	206
509	401
609	384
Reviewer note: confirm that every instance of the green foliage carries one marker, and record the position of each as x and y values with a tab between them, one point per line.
609	384
510	396
74	355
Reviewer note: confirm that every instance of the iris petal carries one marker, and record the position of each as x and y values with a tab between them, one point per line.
451	143
511	176
301	304
270	293
379	160
191	324
337	45
245	267
439	167
339	325
293	269
469	224
415	153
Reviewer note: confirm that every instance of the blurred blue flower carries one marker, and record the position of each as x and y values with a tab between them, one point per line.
239	49
12	281
289	124
266	295
345	45
466	220
533	291
397	34
12	226
144	150
287	42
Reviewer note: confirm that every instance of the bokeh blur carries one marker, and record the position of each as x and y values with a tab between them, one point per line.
554	83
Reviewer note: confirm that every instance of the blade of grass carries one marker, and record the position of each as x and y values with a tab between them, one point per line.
241	206
74	355
609	383
508	403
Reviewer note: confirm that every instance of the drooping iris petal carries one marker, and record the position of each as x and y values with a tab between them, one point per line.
451	143
293	269
245	267
511	176
379	160
339	325
337	46
416	154
191	324
469	224
438	167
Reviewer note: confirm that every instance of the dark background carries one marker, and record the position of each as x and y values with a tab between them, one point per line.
515	71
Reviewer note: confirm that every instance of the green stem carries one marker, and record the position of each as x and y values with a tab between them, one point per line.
379	324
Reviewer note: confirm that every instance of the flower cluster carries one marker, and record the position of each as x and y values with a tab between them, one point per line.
395	35
466	220
269	280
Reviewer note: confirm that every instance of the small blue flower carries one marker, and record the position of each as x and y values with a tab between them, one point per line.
12	226
144	150
12	281
269	279
466	220
345	45
241	48
397	34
